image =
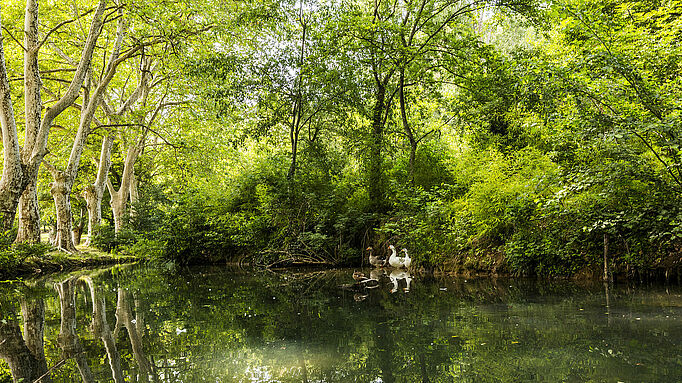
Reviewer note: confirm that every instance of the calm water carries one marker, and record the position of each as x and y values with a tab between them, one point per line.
221	325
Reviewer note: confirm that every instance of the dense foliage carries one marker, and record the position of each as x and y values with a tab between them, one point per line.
506	137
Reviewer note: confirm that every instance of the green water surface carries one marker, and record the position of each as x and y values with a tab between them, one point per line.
138	324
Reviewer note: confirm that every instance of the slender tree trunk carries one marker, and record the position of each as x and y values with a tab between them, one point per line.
63	181
406	126
298	104
94	193
29	216
94	206
134	189
376	176
78	229
294	152
119	198
606	257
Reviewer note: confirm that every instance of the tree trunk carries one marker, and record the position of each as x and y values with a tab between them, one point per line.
413	155
606	258
61	190
63	181
118	205
78	230
11	183
294	152
376	176
29	216
94	205
134	191
406	126
296	114
119	198
94	193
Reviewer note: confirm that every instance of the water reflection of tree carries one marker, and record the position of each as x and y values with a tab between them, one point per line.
24	355
300	327
134	325
68	340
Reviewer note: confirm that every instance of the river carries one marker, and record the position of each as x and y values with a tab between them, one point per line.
137	323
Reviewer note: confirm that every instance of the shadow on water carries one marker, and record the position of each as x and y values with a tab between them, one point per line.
137	324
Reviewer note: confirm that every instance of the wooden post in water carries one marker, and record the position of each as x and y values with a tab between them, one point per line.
606	255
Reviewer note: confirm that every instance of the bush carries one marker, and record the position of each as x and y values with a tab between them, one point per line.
106	239
14	255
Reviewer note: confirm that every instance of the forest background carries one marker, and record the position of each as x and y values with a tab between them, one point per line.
512	136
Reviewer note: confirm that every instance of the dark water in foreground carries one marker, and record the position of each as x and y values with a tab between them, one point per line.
221	325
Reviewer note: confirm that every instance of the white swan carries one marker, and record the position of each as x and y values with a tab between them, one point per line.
407	260
393	260
398	262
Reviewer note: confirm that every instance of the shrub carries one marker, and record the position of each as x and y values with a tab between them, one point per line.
106	239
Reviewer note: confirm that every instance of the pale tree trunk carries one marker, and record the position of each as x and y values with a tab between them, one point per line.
78	229
11	183
297	111
134	189
134	194
93	193
60	194
119	198
20	166
29	216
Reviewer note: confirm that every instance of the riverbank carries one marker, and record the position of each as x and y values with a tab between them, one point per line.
57	261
